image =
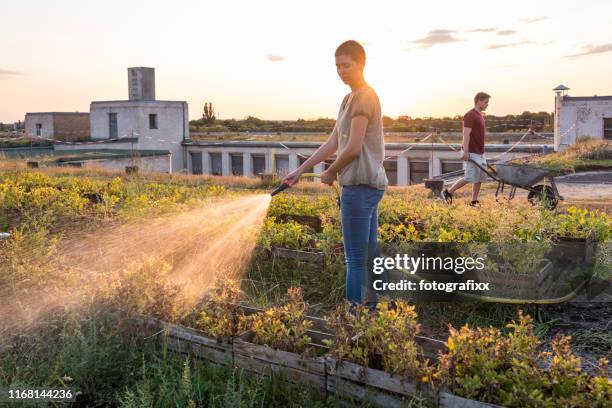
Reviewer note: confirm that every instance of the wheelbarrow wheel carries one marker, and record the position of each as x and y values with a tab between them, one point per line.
544	195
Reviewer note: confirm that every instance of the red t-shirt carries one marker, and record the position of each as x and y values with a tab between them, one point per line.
475	121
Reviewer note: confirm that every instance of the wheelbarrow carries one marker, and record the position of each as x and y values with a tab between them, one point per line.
527	178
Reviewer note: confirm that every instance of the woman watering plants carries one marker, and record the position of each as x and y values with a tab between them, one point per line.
358	140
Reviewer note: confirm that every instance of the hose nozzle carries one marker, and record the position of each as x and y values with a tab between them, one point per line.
279	189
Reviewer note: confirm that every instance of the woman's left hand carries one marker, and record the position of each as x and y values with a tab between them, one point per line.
328	177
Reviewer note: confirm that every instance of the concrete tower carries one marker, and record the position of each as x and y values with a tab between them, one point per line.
141	84
560	93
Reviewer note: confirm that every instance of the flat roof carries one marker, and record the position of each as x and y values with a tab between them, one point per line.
525	148
98	141
64	156
137	101
587	98
57	113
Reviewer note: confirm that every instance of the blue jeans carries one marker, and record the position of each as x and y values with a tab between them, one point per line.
359	208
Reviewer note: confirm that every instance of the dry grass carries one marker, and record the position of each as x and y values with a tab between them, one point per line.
587	153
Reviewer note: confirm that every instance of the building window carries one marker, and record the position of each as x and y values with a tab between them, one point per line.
391	170
259	164
308	170
418	171
152	121
281	164
328	163
38	129
450	166
112	126
216	164
236	162
302	160
196	162
607	128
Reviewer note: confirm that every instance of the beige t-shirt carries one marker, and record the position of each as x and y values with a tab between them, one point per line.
368	167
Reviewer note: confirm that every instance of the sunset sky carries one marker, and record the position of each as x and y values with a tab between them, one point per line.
275	59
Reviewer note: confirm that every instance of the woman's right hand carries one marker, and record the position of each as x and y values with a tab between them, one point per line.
293	177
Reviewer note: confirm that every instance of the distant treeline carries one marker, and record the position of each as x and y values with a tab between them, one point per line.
541	121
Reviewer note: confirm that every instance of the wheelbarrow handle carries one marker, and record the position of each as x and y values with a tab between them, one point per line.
485	170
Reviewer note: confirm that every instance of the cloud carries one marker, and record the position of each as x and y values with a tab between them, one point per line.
516	44
529	20
592	49
436	37
275	58
6	72
483	30
506	32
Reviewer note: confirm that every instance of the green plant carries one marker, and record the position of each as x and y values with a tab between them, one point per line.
578	223
382	338
300	204
506	368
221	315
144	288
286	235
283	327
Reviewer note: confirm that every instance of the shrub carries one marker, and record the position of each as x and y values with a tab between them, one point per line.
286	235
283	327
584	154
144	288
578	223
488	365
220	315
382	338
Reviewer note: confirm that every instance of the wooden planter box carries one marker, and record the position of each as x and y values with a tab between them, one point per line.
185	340
448	400
296	369
346	380
570	249
320	332
358	383
533	286
380	389
131	169
292	367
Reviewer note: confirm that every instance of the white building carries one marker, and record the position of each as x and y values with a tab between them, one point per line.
141	122
403	167
581	116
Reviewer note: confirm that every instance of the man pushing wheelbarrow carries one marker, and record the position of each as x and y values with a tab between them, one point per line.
473	148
